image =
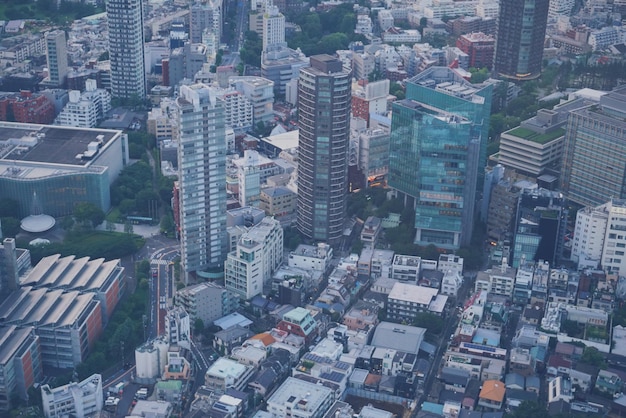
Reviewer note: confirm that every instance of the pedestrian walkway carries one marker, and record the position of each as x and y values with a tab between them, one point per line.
146	231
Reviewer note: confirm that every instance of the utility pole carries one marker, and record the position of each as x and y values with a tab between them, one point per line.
122	345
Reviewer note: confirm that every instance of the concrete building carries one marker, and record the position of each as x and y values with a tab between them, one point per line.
20	363
521	32
202	165
278	201
374	155
260	92
479	48
259	253
598	242
281	65
56	54
85	110
273	27
203	16
70	321
497	281
226	373
406	268
78	399
206	301
126	48
299	398
324	106
105	279
417	162
151	359
310	257
300	322
178	327
406	300
62	166
597	133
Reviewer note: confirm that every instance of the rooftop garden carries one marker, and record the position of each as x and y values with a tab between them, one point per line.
533	136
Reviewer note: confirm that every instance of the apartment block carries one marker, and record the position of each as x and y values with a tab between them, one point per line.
20	363
206	301
77	399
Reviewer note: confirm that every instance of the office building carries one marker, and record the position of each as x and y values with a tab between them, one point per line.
437	150
324	94
281	64
593	170
369	98
62	166
205	16
206	301
56	54
76	399
27	107
540	227
296	397
259	253
20	363
273	28
374	155
521	31
202	166
126	40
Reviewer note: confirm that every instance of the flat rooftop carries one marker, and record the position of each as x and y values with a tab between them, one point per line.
536	137
49	144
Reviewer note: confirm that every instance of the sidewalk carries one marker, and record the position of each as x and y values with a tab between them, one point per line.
145	231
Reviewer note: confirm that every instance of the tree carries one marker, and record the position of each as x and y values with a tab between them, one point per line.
10	227
198	326
9	208
529	409
594	357
433	323
128	227
87	212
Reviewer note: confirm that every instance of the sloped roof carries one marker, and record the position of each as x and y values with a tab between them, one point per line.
493	390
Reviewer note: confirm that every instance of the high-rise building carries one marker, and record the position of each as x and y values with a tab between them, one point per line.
273	28
202	179
521	31
56	53
437	150
205	15
593	170
324	96
126	40
258	254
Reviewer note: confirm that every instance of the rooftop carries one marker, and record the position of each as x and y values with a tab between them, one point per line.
493	390
224	368
398	337
533	136
50	144
412	293
301	394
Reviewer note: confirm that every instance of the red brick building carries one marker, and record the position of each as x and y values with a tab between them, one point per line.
479	47
27	107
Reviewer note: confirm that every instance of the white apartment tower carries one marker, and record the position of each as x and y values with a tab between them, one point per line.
273	28
126	40
56	53
560	8
258	254
600	237
202	179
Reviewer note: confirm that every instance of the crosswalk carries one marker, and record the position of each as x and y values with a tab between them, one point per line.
159	262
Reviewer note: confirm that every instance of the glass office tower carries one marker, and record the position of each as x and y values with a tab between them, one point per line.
437	150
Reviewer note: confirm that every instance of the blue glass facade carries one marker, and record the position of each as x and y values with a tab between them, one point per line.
58	194
437	150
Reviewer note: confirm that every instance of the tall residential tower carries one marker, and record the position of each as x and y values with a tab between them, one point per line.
202	180
56	54
126	40
437	150
521	31
324	97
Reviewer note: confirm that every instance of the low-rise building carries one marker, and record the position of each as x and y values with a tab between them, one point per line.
310	257
406	268
206	301
497	281
406	300
299	398
492	395
78	399
226	373
370	232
